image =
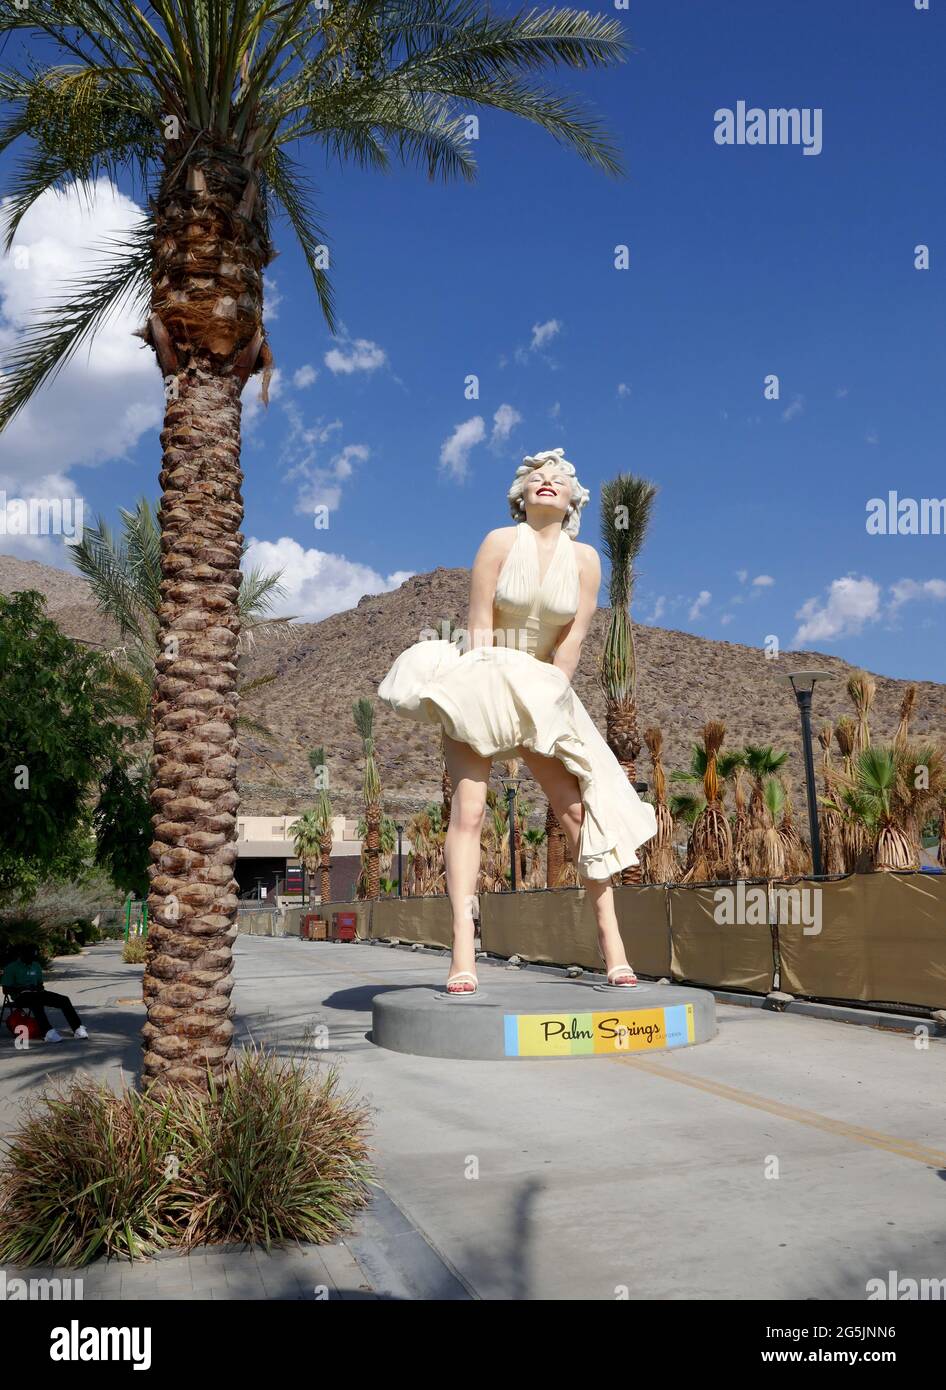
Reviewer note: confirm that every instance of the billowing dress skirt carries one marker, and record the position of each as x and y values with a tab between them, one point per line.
500	700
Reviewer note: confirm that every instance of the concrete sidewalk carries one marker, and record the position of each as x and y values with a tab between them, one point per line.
789	1158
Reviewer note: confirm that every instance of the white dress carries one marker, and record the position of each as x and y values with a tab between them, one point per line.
507	697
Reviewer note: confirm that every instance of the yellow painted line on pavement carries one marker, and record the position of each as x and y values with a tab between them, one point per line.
873	1138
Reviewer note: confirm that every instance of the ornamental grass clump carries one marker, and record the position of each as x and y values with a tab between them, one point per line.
270	1153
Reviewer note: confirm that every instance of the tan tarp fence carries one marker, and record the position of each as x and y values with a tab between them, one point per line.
882	940
426	920
882	936
706	952
558	927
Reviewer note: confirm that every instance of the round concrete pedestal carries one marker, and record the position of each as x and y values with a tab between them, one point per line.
532	1016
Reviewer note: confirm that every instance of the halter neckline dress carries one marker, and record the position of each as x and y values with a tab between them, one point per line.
507	697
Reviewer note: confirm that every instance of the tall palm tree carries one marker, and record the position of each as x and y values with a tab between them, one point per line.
323	813
371	790
306	835
626	506
200	101
761	762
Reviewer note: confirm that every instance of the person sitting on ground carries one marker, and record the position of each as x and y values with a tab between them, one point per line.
23	980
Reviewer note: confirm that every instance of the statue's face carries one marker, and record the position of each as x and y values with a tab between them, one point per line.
548	487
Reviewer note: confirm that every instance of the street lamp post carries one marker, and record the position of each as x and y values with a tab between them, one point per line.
803	683
400	875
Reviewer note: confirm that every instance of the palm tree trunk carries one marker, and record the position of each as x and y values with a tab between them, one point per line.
373	850
210	248
192	904
623	738
555	850
325	885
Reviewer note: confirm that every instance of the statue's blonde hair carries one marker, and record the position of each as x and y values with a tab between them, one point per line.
580	495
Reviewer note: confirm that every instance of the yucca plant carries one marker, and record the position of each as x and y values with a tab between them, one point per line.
323	814
626	506
363	711
201	102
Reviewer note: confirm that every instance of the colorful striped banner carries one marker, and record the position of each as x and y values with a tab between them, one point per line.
571	1035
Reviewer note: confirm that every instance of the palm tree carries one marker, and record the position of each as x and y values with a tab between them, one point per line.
761	761
626	505
124	577
862	688
712	837
658	860
323	812
371	790
534	837
555	850
306	835
830	822
201	101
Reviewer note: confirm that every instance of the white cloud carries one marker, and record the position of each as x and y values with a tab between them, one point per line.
763	581
659	608
317	583
271	299
252	399
623	389
848	605
504	422
910	590
455	451
555	410
319	483
355	355
794	409
742	576
726	619
699	604
543	333
110	393
304	376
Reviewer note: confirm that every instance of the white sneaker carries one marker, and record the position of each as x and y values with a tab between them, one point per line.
81	1031
53	1036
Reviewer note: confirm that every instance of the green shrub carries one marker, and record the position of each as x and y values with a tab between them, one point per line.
271	1154
135	951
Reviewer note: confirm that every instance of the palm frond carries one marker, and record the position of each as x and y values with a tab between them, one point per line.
46	347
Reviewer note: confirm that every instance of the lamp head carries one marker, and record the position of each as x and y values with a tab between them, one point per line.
804	680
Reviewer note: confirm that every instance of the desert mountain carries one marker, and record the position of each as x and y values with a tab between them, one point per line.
322	668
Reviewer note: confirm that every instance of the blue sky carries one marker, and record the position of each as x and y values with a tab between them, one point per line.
744	262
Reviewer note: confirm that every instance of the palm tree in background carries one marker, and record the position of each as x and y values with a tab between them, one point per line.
626	505
306	835
323	815
200	102
124	577
371	790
